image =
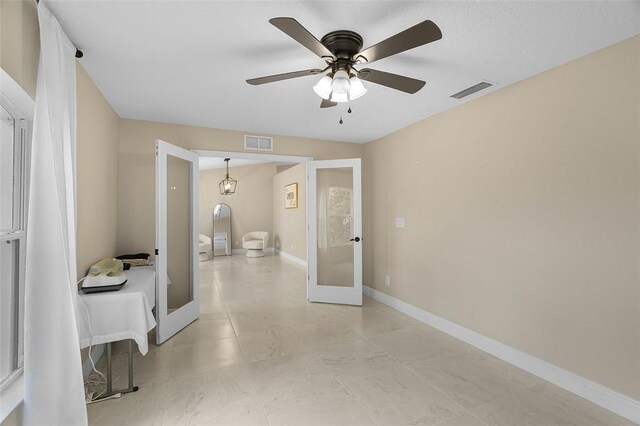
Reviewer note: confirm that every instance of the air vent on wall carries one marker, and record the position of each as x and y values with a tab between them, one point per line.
471	90
259	143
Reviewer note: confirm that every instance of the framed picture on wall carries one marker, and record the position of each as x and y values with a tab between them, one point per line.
291	196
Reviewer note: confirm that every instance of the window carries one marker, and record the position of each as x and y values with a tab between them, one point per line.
13	176
339	205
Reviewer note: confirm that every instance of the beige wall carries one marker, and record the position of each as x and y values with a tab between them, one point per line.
251	205
522	213
97	162
136	168
290	225
20	42
97	132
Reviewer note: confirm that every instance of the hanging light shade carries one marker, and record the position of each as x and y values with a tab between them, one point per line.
339	97
228	185
356	89
340	84
323	87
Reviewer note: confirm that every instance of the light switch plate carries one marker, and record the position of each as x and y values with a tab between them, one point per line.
399	222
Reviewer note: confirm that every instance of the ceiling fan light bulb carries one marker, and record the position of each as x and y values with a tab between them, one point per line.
340	83
323	87
357	89
339	97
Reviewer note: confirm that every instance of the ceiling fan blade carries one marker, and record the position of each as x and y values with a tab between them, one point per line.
395	81
422	33
284	76
296	31
326	103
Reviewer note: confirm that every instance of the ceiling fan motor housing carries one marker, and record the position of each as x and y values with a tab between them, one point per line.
344	45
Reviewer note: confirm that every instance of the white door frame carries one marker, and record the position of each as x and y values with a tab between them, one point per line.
170	323
273	158
328	293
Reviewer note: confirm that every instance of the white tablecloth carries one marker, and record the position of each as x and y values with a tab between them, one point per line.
123	314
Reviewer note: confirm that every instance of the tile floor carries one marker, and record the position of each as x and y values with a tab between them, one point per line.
260	354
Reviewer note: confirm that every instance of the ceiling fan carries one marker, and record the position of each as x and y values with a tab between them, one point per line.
342	51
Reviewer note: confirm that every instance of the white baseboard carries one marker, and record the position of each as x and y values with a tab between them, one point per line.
587	389
96	353
243	251
291	257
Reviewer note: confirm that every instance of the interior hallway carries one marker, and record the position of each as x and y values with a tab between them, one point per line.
260	354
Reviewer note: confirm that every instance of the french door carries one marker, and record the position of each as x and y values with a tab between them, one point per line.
334	216
177	283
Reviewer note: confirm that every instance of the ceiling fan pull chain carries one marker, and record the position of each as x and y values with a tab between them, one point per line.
340	119
349	110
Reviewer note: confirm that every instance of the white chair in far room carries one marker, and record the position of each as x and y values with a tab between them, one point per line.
255	243
204	247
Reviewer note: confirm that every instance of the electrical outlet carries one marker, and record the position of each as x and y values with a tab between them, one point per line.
387	280
400	222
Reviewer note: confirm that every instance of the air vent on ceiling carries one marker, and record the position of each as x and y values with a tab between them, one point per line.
471	90
259	143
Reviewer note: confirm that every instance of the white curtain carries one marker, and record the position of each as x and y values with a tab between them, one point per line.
54	392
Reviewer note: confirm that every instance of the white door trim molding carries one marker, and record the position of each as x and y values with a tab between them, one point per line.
253	156
585	388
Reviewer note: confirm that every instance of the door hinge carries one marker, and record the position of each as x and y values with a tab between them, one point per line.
157	252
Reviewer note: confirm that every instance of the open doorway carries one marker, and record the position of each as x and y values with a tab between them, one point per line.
254	206
256	209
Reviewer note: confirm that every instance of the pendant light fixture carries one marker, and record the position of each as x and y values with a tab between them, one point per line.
228	185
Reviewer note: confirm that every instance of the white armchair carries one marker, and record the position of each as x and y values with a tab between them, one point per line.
255	243
204	246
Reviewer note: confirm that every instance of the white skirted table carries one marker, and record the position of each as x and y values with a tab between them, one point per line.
121	315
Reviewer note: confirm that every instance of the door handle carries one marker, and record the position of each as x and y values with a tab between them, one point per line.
356	239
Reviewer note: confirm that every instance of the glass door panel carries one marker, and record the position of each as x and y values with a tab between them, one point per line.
335	226
178	236
177	298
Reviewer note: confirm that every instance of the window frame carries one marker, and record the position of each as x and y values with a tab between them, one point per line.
20	106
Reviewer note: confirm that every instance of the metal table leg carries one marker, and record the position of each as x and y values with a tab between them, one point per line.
110	393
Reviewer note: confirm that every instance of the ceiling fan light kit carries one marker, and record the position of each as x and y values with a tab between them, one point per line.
342	52
332	87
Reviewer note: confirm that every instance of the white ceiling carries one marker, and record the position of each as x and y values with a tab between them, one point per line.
186	61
